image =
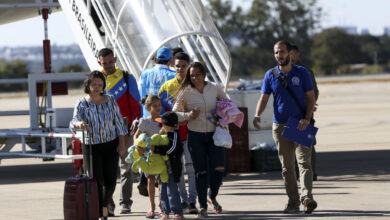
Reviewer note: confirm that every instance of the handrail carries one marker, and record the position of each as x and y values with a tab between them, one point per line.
14	81
189	33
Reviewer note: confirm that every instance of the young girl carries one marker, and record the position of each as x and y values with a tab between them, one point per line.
150	126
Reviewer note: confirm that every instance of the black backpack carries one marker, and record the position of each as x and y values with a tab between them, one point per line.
126	78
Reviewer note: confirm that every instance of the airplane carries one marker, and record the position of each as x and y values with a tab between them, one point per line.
135	30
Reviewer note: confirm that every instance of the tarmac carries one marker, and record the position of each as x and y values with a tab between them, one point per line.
353	164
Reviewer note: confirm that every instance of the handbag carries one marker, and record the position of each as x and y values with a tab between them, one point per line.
222	137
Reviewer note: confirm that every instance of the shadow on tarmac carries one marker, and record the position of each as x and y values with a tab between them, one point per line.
278	215
34	173
354	165
337	166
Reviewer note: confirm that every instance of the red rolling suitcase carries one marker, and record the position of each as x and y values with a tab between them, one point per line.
81	199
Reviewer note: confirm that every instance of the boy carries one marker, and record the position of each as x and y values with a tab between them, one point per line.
170	198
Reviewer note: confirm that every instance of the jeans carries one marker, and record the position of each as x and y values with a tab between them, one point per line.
170	198
206	158
287	151
189	168
105	165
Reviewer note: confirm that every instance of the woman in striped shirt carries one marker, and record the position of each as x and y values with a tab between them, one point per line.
99	114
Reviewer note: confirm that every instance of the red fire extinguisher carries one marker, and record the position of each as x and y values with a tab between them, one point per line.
76	149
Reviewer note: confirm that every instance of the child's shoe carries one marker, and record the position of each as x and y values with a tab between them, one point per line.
164	216
177	216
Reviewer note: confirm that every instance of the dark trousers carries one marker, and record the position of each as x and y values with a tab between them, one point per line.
105	160
206	157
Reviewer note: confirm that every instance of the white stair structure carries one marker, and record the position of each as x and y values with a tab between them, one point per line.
135	29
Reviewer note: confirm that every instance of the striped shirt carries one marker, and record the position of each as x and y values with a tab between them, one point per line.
105	121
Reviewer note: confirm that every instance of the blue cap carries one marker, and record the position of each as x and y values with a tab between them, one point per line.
164	53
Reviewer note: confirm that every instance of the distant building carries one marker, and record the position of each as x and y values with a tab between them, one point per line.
386	31
365	31
350	29
61	55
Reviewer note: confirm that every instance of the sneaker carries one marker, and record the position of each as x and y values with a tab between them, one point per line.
309	205
192	209
291	208
126	209
202	213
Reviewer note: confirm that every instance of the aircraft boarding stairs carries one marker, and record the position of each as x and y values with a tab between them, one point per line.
135	29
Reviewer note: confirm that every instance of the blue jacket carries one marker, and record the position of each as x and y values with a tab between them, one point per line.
152	80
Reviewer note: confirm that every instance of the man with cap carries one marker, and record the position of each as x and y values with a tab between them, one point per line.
152	79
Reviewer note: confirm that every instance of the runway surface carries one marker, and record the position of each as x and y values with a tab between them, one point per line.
353	163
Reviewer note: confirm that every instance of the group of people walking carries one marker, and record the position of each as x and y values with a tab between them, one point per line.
160	87
175	101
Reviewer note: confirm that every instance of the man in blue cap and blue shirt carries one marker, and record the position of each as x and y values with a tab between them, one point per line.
151	82
152	79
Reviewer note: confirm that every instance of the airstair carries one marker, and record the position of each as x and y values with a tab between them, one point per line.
135	29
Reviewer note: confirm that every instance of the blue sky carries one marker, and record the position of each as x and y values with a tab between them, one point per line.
365	14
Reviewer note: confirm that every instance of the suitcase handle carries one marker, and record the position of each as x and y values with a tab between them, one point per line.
87	154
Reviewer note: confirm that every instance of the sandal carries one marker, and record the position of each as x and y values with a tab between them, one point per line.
150	214
217	207
202	213
165	216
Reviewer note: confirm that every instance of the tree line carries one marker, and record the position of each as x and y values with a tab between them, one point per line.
19	69
251	32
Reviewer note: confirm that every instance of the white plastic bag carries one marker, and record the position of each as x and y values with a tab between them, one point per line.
222	137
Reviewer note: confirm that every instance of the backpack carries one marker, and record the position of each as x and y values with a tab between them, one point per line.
126	78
